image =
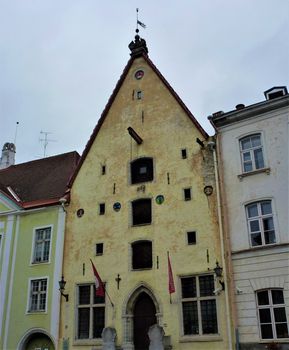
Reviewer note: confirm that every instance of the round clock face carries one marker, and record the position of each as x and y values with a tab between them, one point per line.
139	74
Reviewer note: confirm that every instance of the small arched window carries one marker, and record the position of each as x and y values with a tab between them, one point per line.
141	170
142	255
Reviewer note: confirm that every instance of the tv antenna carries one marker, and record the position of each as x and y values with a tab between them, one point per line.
45	141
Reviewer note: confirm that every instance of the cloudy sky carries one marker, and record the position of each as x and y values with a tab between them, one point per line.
60	60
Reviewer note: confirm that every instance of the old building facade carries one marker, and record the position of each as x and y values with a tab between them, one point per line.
144	190
253	161
32	222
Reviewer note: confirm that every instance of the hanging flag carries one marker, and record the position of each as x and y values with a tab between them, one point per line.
99	287
141	24
171	278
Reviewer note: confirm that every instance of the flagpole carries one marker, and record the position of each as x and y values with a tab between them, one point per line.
112	304
100	283
168	255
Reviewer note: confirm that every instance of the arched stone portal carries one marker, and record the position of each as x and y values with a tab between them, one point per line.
141	310
36	339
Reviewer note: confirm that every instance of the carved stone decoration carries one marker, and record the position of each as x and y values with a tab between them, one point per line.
108	338
138	47
156	336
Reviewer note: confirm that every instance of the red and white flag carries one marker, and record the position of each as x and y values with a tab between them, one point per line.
99	287
171	277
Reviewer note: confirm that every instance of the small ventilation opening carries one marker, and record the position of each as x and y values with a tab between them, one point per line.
101	208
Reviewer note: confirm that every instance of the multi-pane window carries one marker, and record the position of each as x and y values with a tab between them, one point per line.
141	211
141	170
260	223
90	312
272	314
42	245
252	153
142	255
199	305
38	295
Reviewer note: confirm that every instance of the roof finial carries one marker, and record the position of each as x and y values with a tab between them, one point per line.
138	47
138	22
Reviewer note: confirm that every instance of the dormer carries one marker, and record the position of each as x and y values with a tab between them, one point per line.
276	91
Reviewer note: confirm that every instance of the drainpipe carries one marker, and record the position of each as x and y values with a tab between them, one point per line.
228	315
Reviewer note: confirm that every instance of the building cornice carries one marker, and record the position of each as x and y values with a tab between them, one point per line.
252	111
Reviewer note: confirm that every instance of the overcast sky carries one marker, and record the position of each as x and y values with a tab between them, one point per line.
60	60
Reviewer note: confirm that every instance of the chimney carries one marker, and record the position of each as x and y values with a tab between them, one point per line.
8	155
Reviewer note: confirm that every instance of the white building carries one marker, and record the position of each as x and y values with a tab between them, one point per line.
252	146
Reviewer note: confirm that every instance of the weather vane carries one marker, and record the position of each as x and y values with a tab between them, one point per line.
138	22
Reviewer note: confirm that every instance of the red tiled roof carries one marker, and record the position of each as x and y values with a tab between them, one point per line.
111	99
39	182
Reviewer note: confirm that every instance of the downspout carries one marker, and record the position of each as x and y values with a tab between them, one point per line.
228	315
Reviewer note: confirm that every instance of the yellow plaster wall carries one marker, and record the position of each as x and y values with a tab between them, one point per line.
165	129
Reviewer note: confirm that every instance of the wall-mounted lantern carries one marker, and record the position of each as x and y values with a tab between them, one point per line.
62	284
219	273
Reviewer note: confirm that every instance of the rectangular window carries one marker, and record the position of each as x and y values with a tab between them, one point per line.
252	153
99	249
142	255
199	305
260	223
184	153
90	313
42	241
191	237
187	194
141	211
103	169
141	170
272	314
38	295
101	208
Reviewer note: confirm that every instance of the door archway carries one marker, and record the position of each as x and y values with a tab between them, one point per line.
140	298
144	316
36	339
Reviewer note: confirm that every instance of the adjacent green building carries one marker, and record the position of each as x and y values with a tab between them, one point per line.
32	222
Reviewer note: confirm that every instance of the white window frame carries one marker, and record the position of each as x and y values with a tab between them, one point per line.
251	151
260	218
33	261
198	299
91	306
29	296
271	307
1	243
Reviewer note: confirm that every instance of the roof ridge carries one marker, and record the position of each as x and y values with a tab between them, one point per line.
38	160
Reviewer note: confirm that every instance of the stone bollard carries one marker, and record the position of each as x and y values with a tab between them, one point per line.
156	335
108	336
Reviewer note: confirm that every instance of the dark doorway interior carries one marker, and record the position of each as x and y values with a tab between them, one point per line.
144	317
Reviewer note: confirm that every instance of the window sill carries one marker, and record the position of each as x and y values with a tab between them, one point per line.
138	225
40	263
277	341
36	312
142	269
200	338
254	172
97	342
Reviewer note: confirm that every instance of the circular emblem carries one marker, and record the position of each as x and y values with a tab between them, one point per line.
80	212
139	74
160	199
116	206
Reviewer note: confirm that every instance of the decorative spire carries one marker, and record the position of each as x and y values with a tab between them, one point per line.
138	46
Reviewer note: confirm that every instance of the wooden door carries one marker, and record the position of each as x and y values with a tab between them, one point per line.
144	317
